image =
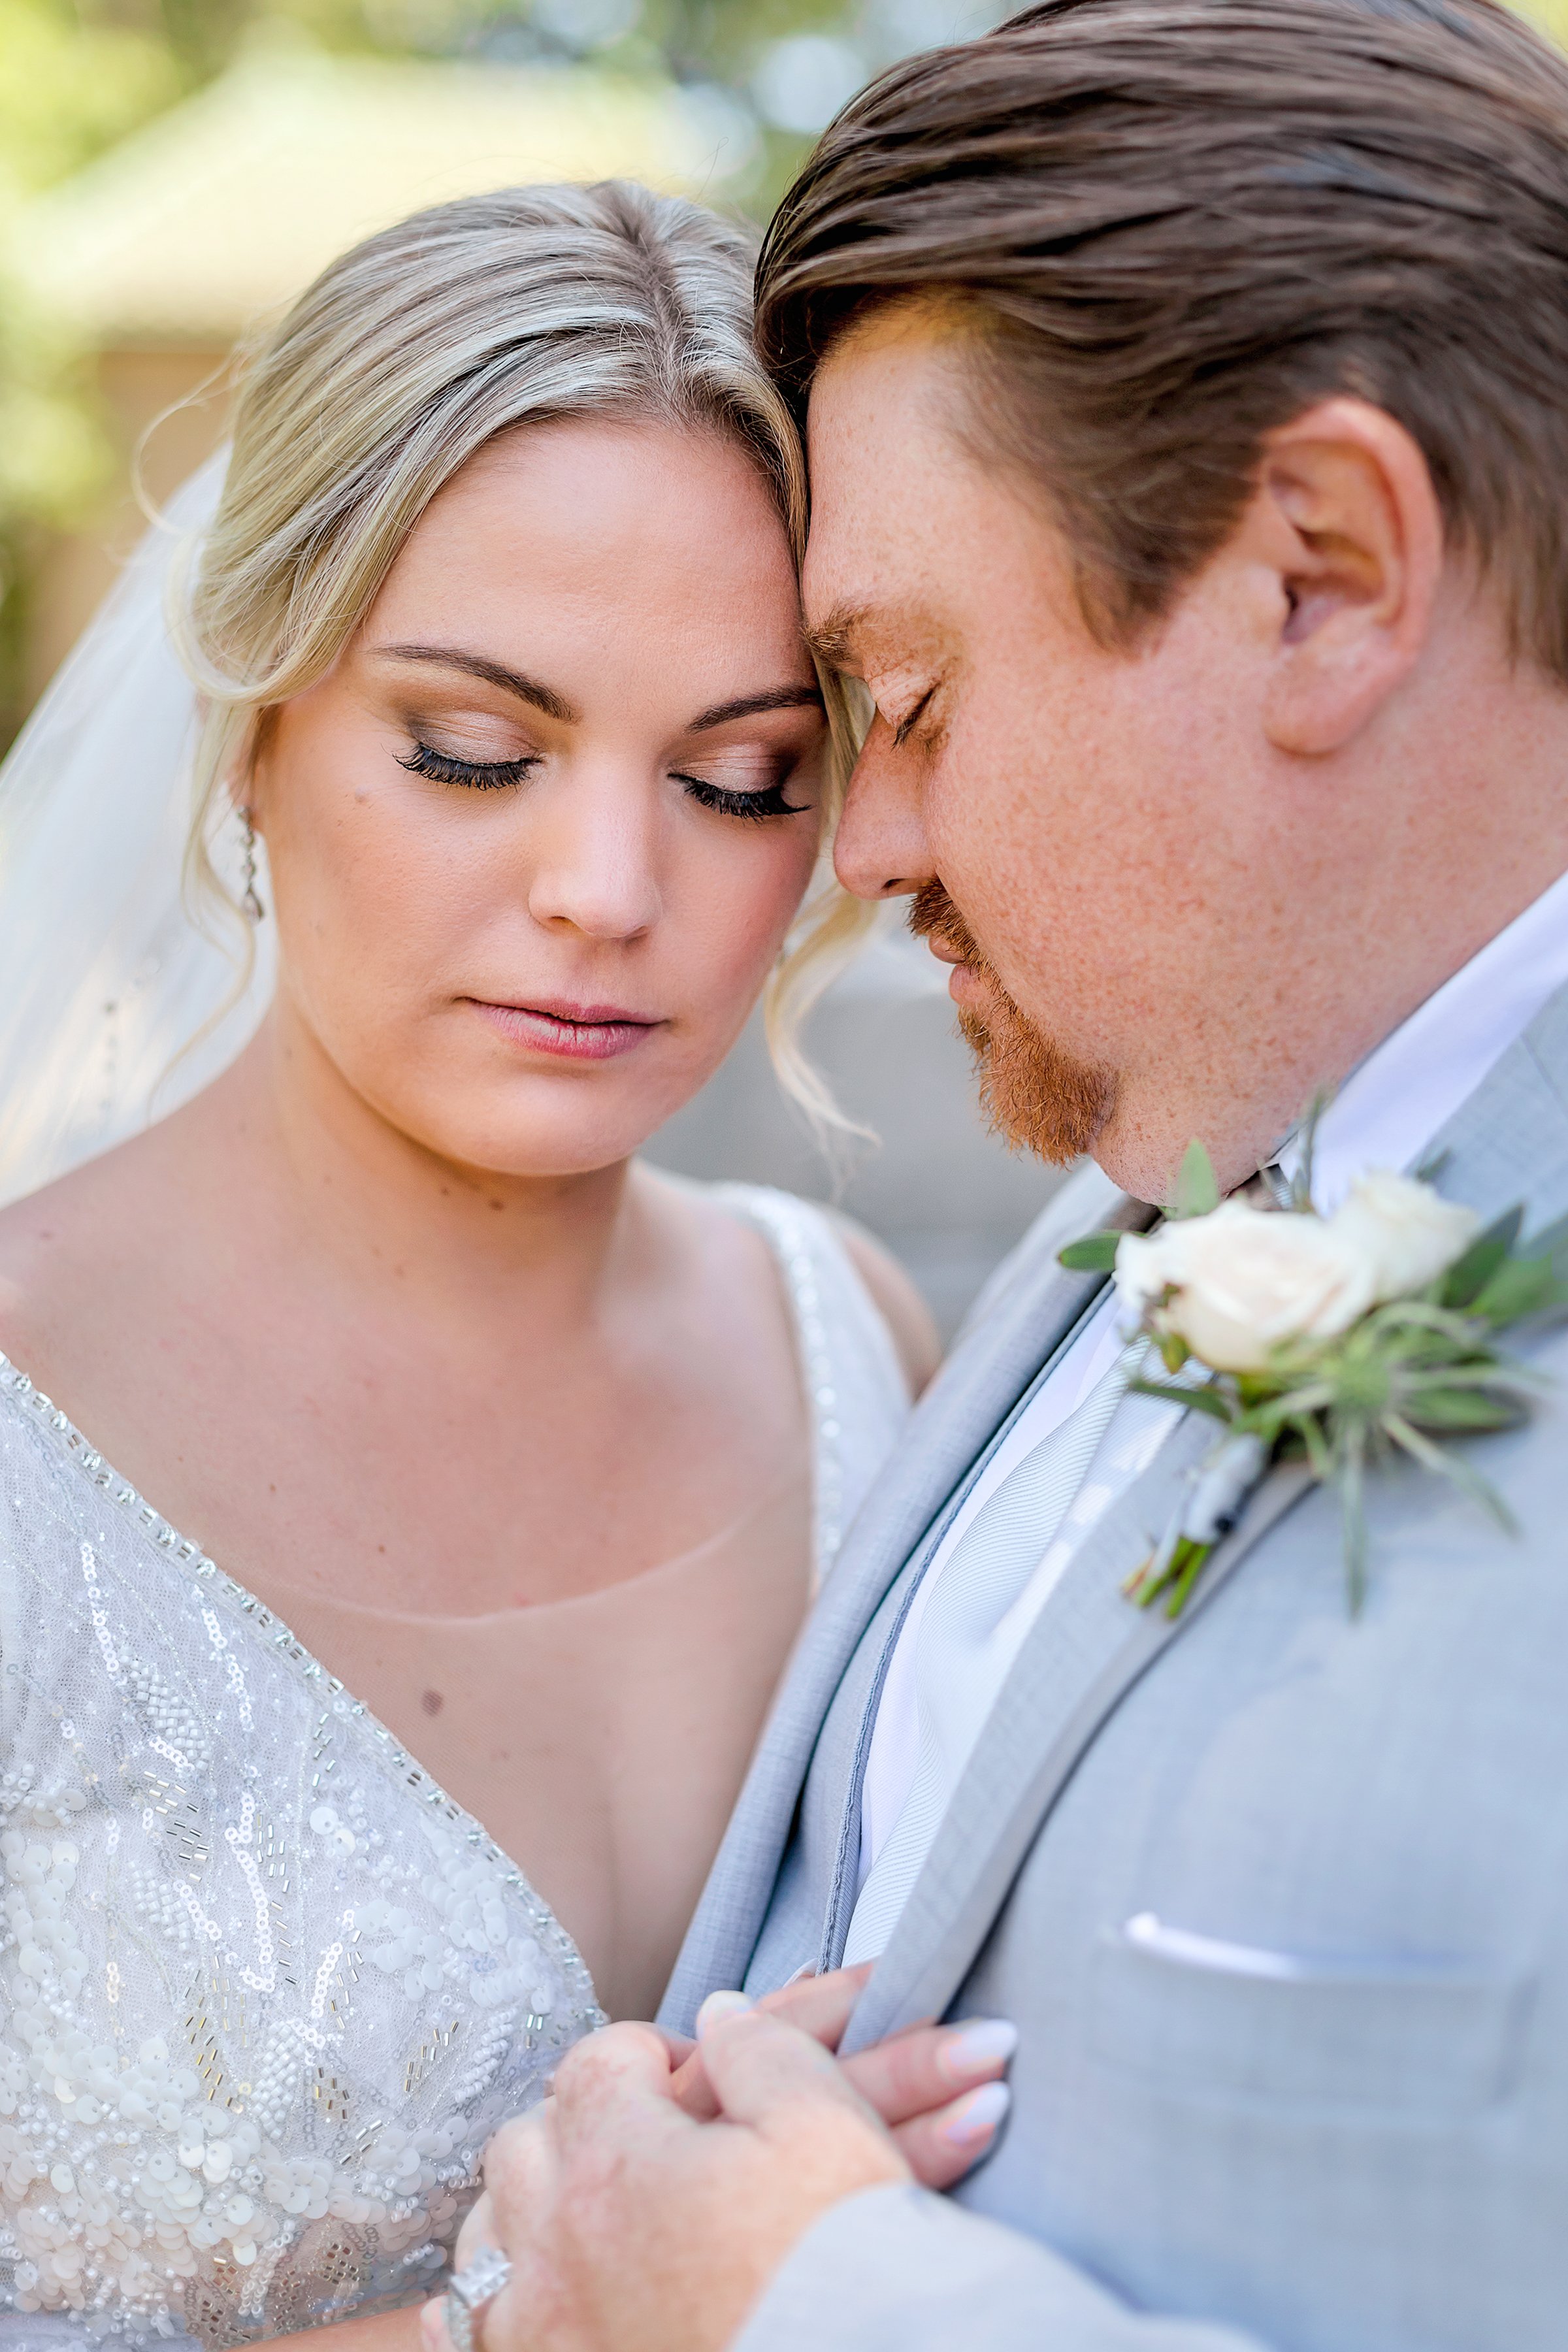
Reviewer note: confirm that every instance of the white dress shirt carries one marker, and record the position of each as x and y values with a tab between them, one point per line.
1384	1116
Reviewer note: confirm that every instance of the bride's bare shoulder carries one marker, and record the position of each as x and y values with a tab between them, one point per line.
69	1249
729	1241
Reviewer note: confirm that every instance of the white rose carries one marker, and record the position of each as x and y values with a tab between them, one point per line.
1147	1265
1244	1280
1406	1234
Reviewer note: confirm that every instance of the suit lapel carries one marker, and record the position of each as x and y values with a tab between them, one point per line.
1089	1650
1507	1143
951	1433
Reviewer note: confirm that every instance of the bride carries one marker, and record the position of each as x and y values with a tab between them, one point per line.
409	1497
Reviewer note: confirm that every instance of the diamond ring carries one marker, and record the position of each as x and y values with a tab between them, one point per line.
469	2291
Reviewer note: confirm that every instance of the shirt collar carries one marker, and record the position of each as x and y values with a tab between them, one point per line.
1394	1102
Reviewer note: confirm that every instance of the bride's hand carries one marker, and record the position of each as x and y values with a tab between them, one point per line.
935	2090
921	2083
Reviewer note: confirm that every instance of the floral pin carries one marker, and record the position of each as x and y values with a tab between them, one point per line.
1339	1339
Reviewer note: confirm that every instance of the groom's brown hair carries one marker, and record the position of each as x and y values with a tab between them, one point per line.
1176	224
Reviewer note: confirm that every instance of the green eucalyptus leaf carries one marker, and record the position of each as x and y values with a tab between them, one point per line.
1205	1400
1095	1254
1460	1408
1523	1286
1315	1446
1468	1276
1454	1467
1197	1187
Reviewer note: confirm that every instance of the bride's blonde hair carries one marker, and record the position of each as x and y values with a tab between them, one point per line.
401	361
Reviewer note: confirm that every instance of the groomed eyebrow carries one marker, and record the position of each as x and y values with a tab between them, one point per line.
746	706
555	706
836	642
494	673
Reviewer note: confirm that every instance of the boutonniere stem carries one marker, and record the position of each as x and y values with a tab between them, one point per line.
1343	1340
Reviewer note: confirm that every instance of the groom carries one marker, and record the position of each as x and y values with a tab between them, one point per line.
1187	389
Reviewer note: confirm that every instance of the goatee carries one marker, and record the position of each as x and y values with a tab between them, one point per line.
1037	1097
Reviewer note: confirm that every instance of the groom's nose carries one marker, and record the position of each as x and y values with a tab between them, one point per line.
880	850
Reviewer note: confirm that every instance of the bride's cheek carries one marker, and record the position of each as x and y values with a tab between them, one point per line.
746	909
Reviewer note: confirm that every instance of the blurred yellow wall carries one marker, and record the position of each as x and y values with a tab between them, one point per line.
1551	15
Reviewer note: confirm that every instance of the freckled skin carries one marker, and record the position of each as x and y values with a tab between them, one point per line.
1225	860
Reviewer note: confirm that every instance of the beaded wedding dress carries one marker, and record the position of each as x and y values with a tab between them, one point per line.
265	1990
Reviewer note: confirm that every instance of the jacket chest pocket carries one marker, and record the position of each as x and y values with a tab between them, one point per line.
1242	2025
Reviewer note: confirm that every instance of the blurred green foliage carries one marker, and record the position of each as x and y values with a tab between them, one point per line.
76	76
70	86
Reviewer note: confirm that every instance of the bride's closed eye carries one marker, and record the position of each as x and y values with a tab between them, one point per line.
483	775
766	801
748	779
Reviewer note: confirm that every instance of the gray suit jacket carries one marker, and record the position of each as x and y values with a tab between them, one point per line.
1278	1901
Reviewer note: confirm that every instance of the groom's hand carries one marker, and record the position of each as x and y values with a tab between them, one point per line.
632	2228
921	2083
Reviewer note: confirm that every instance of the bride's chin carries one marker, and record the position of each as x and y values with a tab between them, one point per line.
575	1130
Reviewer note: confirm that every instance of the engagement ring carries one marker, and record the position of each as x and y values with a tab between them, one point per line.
469	2291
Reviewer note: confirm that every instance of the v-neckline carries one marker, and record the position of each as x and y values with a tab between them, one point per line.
279	1637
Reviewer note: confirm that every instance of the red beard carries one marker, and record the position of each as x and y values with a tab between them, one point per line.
1035	1095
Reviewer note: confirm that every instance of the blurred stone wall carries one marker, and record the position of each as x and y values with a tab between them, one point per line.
944	1195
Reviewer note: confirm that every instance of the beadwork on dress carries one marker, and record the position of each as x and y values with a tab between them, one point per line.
266	1991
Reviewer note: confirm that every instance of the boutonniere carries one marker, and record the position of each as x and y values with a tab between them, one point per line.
1341	1340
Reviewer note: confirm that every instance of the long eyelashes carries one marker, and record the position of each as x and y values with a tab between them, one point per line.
901	731
483	775
494	775
768	802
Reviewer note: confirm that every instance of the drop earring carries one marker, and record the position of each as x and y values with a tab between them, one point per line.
251	902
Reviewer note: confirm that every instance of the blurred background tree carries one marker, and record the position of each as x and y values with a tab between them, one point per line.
67	89
749	82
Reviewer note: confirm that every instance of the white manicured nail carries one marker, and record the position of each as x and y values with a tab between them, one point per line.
718	2008
979	2115
983	2042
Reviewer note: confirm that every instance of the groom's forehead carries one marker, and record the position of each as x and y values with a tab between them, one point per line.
889	473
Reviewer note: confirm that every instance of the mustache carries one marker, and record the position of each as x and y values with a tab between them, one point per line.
933	915
1037	1096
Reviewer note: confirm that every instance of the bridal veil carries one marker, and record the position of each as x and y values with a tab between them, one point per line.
119	996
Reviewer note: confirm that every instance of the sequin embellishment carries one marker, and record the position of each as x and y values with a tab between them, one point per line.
265	1990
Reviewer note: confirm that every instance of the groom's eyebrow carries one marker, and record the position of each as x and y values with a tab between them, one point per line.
835	640
494	673
746	706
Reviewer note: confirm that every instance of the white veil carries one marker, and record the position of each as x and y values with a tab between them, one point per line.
116	1004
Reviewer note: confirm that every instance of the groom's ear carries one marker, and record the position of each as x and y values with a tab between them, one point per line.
1346	525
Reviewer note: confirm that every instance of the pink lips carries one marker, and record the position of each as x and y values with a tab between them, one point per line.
575	1032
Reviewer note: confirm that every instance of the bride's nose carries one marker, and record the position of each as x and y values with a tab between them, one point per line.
594	858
